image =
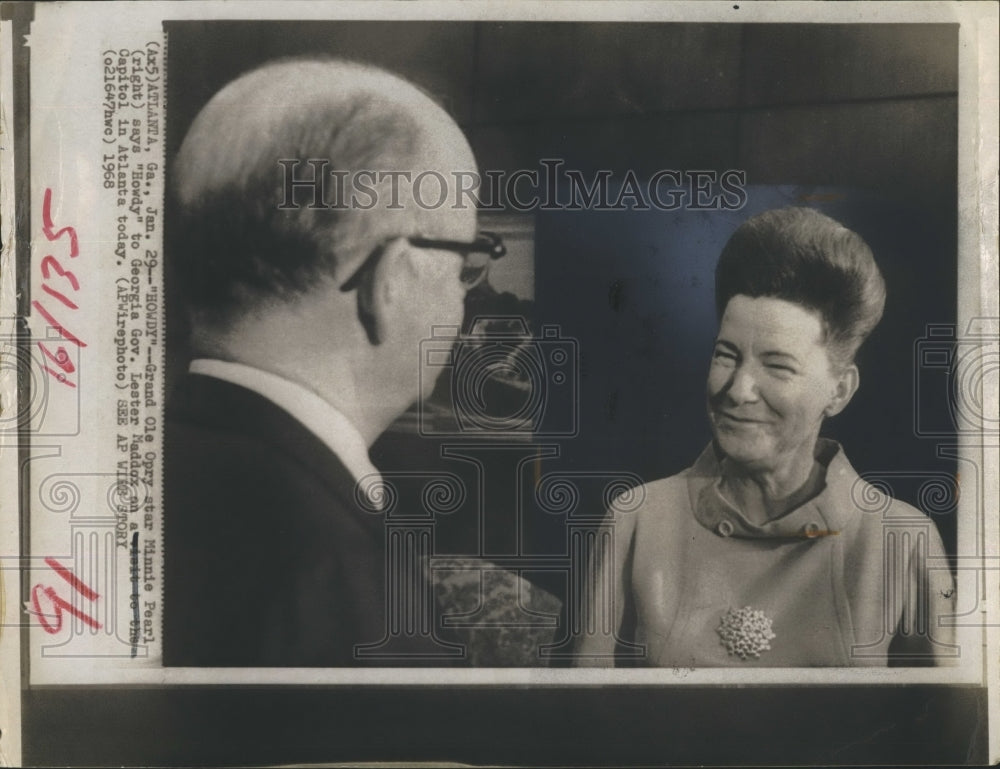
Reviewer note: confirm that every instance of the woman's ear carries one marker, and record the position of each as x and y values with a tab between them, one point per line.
847	381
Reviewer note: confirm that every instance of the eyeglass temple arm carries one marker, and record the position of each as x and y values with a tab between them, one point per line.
486	243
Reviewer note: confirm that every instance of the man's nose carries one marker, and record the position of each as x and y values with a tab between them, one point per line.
742	386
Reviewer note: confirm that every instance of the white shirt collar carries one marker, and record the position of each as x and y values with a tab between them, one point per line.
319	417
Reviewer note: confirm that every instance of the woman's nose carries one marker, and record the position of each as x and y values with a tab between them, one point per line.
743	386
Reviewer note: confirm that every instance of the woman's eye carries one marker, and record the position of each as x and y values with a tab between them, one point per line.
724	356
780	368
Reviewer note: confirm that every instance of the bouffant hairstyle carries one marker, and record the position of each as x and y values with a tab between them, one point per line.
805	257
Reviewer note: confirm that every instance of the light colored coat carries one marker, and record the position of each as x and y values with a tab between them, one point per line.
839	578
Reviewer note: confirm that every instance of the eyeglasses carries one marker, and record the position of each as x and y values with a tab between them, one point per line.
478	255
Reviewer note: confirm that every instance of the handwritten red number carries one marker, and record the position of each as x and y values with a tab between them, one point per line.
72	579
60	296
58	603
49	261
49	266
61	359
67	335
49	229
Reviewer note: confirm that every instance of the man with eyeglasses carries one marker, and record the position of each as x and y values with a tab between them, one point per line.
306	321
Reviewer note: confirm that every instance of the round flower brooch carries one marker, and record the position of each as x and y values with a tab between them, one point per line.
745	632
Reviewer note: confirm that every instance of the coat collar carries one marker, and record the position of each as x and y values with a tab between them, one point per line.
219	405
305	406
827	513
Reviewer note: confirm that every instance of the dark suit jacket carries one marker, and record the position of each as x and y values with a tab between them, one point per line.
268	560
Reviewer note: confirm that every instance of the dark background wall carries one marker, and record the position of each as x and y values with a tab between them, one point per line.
871	106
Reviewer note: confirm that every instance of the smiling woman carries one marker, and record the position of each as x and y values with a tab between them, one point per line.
771	550
770	386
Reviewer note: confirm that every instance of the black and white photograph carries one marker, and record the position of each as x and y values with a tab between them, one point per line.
561	384
589	382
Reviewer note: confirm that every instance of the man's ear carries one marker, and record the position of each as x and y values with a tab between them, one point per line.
379	296
847	381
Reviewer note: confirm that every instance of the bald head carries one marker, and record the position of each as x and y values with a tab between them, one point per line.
239	246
